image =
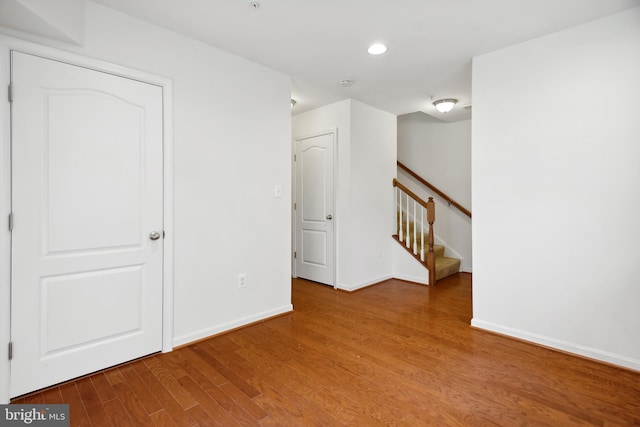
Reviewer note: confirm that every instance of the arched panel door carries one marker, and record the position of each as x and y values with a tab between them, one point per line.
87	190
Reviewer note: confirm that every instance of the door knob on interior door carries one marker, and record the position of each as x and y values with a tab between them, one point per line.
154	235
329	216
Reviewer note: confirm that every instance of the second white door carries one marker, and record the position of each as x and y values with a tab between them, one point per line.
315	234
87	245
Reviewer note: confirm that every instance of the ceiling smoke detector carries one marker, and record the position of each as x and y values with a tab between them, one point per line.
347	83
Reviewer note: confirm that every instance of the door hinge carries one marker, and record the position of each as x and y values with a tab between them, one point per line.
294	158
163	234
10	92
295	206
11	221
295	254
10	350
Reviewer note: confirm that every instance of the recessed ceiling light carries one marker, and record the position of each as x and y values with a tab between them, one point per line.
377	49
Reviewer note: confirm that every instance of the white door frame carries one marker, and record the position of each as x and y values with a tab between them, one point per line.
6	45
336	210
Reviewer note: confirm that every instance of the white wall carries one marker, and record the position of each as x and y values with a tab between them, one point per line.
373	167
440	152
556	190
366	147
231	146
406	267
60	20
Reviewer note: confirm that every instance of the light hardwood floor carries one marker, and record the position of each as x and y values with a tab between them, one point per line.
394	354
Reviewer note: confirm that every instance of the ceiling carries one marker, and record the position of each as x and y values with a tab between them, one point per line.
320	43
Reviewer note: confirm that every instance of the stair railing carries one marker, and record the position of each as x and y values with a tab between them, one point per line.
411	206
435	189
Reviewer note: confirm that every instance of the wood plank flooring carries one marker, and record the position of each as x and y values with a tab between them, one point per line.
394	354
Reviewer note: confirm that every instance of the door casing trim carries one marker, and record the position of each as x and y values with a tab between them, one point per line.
7	44
335	222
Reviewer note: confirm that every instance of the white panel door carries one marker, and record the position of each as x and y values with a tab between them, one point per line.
314	209
87	193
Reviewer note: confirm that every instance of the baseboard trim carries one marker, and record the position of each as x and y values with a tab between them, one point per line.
230	326
365	284
414	279
559	345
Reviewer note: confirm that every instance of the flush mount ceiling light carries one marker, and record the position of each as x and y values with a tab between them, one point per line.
377	49
445	105
293	102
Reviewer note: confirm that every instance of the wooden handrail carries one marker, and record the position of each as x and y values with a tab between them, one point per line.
435	189
413	195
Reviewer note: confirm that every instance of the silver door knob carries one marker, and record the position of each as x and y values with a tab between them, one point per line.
154	235
329	216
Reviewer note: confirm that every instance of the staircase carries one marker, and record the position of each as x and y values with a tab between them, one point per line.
445	266
413	215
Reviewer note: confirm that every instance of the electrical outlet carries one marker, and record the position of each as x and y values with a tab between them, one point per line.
242	280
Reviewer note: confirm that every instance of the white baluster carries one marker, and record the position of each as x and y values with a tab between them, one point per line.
400	230
395	200
408	234
422	214
415	230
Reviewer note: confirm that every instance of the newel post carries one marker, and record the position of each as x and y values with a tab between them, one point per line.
431	255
